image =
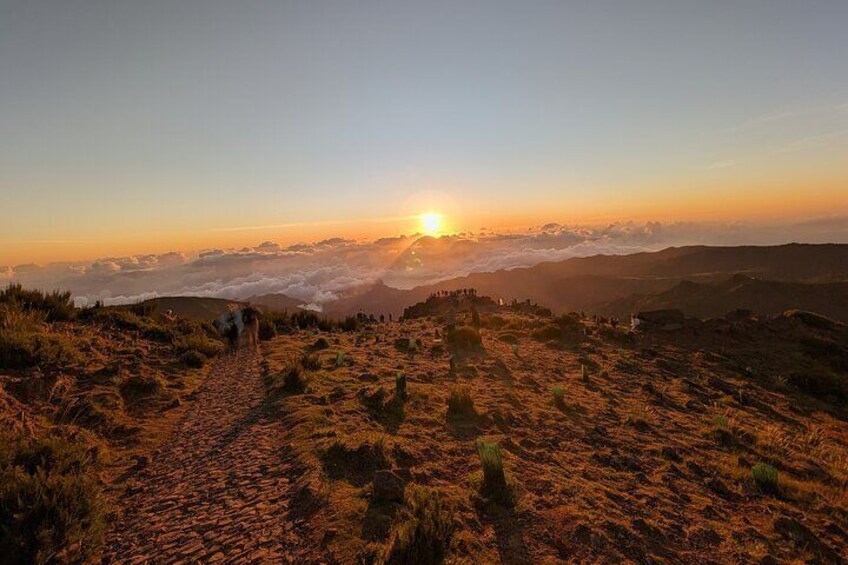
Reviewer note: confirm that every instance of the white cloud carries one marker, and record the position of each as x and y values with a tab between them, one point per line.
319	273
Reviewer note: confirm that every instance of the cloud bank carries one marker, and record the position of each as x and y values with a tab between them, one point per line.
319	273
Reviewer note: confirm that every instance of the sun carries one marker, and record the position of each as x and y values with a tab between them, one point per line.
431	223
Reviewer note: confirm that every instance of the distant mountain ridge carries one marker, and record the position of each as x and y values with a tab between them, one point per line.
192	307
590	283
764	297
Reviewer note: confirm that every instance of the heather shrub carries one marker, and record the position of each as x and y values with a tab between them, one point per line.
50	501
423	536
320	344
765	477
310	362
267	329
22	349
460	402
559	396
465	338
193	359
400	386
56	306
494	485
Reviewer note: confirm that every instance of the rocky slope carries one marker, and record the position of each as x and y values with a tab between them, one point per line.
723	442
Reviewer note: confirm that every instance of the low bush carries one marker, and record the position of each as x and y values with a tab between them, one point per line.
13	317
821	383
198	342
193	359
311	362
320	344
460	402
400	386
349	324
267	329
765	477
494	485
293	379
423	537
559	396
355	459
465	338
50	502
141	386
22	349
56	306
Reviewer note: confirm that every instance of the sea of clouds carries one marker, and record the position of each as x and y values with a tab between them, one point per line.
321	272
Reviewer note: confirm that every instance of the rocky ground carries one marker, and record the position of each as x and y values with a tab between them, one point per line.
649	457
717	442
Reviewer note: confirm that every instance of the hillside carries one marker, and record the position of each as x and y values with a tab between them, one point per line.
535	439
722	443
714	299
278	302
191	307
586	284
85	398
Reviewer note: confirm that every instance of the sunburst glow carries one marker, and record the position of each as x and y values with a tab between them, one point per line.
431	223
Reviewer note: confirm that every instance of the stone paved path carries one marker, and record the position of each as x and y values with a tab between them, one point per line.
216	491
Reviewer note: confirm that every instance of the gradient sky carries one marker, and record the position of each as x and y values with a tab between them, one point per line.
134	126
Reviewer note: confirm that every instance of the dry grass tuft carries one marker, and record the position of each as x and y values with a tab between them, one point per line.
423	536
460	402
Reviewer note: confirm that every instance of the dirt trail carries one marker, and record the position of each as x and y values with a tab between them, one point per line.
217	491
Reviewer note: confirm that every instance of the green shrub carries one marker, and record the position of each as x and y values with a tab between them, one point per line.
765	477
460	402
267	329
403	344
198	342
559	396
145	385
292	379
143	309
193	359
400	386
22	349
349	324
355	459
320	344
821	383
13	317
494	483
50	501
56	306
423	537
311	362
721	422
563	329
494	321
465	338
